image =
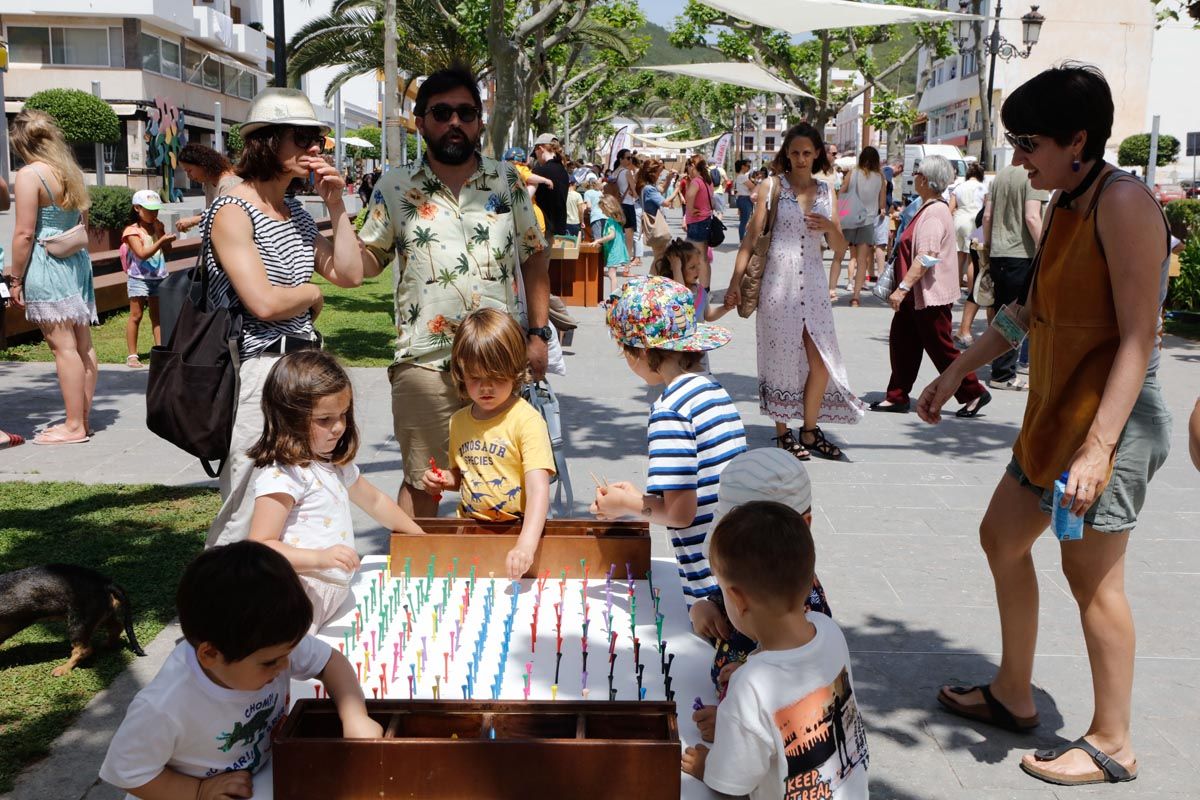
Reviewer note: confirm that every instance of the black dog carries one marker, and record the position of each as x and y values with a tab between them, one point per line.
56	591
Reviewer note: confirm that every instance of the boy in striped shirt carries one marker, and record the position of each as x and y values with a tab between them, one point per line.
694	431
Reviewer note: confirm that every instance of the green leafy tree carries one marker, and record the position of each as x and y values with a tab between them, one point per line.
808	64
892	114
234	142
1135	150
370	133
83	118
1176	10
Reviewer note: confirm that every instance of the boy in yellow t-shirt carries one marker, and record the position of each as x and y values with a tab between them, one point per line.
500	454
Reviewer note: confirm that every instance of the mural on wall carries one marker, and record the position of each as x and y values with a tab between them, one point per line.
165	137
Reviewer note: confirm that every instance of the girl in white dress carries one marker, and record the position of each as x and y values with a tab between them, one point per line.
305	478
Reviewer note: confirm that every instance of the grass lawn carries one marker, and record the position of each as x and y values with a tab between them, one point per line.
141	537
356	323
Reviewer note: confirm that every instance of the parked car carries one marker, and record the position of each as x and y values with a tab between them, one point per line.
1166	192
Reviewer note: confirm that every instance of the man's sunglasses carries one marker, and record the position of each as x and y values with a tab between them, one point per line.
307	137
442	112
1024	142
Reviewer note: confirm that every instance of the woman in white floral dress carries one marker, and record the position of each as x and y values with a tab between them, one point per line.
800	369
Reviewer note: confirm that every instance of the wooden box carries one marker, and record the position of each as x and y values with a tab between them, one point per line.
564	543
579	281
445	749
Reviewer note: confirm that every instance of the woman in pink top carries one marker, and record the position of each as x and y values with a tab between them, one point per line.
927	268
697	214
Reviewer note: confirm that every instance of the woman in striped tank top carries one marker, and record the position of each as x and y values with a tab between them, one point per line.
265	248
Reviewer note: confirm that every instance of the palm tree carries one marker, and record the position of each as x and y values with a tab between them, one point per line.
350	36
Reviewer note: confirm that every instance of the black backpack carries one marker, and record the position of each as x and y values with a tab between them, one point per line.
192	388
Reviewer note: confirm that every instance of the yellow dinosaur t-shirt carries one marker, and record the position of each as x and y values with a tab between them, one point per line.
493	456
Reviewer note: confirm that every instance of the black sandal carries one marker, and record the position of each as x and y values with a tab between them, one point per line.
1108	769
788	442
820	445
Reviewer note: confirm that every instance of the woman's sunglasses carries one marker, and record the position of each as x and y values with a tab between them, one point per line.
442	112
1024	142
307	137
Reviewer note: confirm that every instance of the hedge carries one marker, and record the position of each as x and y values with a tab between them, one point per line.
82	117
1185	288
1184	216
111	207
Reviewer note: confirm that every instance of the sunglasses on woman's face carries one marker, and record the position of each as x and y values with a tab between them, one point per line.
1024	142
443	112
307	137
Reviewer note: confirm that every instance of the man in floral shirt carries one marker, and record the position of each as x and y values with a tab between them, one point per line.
460	232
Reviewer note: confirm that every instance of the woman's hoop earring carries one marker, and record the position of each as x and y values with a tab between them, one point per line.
1075	165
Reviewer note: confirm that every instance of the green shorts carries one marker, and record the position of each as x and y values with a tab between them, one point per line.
1141	450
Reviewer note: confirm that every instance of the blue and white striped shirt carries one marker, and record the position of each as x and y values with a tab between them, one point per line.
694	431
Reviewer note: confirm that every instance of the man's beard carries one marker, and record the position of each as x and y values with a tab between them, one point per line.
454	148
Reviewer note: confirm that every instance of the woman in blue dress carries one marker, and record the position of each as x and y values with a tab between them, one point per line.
56	292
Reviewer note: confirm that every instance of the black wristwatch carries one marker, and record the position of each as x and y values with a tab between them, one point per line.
544	333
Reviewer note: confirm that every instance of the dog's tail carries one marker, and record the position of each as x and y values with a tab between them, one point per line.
127	617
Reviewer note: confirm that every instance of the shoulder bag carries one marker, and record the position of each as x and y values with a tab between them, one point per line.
539	395
655	232
192	388
716	226
752	277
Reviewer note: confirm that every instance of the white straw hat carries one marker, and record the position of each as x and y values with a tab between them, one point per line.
274	106
766	473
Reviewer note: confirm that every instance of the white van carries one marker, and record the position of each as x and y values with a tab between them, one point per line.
915	153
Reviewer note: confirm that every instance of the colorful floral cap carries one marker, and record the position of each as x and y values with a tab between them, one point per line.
657	313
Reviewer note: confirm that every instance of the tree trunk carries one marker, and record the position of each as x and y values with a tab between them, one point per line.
985	114
507	99
391	85
823	112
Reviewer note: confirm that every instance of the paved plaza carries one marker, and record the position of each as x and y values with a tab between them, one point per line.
897	551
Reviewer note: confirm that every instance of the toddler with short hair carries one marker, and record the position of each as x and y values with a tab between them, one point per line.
790	722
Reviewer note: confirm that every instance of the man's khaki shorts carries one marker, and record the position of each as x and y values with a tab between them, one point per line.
422	402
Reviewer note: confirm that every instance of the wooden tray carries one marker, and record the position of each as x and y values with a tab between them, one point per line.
564	543
473	749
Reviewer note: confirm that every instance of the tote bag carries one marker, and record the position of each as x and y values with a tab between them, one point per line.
192	388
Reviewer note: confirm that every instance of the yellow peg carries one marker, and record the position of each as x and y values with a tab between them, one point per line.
554	692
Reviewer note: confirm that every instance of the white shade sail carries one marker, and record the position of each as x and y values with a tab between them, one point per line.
668	145
660	135
355	141
802	16
737	73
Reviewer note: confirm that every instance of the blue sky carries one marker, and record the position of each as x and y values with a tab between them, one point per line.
663	12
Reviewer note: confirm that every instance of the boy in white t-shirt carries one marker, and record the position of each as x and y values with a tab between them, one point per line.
203	726
789	726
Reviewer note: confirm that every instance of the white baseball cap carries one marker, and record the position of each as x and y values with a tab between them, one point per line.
766	473
147	199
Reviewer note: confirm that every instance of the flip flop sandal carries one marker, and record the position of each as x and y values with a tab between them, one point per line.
820	445
854	302
13	441
133	362
788	442
991	711
966	412
51	438
1110	771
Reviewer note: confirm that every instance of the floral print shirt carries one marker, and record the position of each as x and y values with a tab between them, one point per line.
450	255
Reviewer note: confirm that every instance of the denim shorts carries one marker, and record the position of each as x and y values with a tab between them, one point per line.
139	287
698	231
1141	450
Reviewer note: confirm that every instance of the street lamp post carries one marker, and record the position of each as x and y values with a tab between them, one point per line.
997	45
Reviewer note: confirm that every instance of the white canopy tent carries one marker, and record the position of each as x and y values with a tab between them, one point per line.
802	16
737	73
690	144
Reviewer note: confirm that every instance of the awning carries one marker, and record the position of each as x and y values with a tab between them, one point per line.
736	73
691	144
802	16
354	141
660	135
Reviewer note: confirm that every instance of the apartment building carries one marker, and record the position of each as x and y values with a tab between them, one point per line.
1116	35
150	57
760	126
